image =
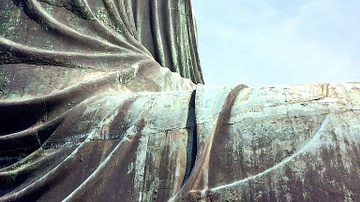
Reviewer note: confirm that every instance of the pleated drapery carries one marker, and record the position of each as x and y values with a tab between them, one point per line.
90	111
100	35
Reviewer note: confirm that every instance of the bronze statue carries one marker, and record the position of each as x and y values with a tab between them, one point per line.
103	101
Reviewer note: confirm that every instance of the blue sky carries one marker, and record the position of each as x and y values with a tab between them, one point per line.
265	43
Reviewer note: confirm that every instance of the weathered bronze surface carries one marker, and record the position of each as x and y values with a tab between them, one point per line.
101	101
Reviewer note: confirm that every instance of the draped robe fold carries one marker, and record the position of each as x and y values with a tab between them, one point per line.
98	101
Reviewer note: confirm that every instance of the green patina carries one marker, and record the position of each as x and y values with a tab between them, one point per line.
103	15
11	16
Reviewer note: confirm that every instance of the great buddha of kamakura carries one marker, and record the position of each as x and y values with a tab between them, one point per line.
103	100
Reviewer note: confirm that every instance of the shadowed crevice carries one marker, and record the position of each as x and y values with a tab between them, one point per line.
192	137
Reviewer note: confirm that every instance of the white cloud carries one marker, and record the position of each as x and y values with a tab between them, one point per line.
262	43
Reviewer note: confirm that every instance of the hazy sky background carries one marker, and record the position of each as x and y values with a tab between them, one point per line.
262	43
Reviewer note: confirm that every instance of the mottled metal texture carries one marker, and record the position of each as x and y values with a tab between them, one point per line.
107	35
285	143
88	113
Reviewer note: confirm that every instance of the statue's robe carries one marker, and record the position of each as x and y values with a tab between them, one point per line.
93	107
